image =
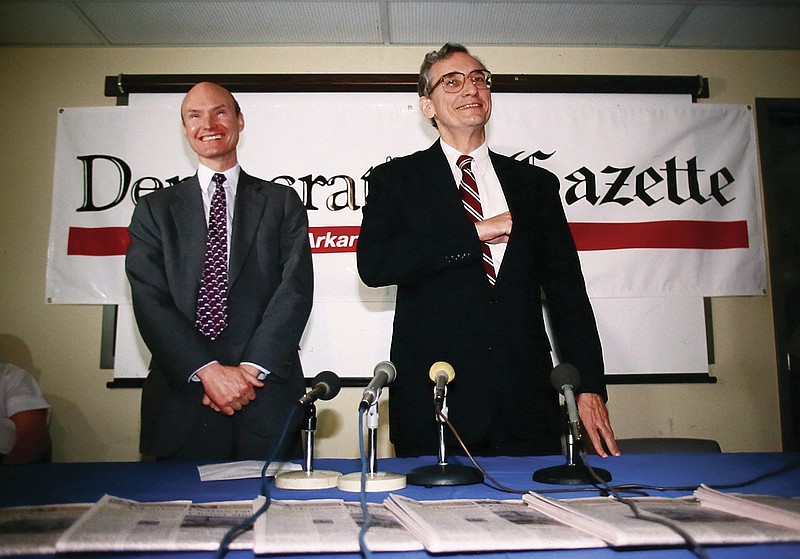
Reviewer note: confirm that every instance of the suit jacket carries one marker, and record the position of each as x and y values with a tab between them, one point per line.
416	234
270	288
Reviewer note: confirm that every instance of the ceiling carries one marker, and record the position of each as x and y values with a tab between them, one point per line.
695	24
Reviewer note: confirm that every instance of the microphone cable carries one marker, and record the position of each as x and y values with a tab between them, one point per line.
605	489
463	446
362	533
248	522
783	469
614	491
692	545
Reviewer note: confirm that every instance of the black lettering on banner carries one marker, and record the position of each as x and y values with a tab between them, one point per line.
349	193
119	190
692	182
716	189
307	193
616	186
642	187
650	186
585	177
139	186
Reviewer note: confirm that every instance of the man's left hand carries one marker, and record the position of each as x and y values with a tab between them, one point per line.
596	423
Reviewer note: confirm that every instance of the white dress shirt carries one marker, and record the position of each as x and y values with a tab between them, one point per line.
493	200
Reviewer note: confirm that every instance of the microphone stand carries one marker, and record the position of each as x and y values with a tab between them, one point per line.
308	478
571	473
442	474
375	480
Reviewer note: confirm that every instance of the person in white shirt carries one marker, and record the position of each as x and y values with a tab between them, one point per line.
24	436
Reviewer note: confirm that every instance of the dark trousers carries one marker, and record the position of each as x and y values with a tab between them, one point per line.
219	437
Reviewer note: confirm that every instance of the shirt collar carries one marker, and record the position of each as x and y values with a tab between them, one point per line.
480	155
204	175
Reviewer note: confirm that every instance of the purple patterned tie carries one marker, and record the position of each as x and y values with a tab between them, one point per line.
212	301
472	203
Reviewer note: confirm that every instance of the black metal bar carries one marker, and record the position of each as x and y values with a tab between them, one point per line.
135	382
124	84
638	378
661	378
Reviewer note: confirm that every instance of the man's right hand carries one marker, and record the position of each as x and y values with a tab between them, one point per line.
495	230
227	389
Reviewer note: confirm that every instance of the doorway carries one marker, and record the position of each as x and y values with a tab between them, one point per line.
778	122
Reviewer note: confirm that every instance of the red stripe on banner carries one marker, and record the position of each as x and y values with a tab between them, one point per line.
97	241
114	241
333	238
660	234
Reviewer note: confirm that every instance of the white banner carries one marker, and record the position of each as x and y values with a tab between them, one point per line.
663	197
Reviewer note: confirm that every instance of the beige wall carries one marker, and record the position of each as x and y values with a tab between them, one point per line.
60	344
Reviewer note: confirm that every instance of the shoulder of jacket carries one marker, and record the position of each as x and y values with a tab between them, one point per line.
404	162
534	171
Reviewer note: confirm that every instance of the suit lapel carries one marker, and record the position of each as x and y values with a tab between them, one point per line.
509	181
436	171
190	225
251	201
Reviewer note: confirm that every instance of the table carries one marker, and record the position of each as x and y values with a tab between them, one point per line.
771	473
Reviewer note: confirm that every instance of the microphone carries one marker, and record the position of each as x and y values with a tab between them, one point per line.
326	385
441	373
565	378
384	373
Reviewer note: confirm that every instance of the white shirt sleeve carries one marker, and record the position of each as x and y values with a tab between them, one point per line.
18	392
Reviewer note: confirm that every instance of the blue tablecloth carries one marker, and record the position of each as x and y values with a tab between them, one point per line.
765	473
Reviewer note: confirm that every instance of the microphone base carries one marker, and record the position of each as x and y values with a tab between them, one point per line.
569	474
377	482
316	479
444	474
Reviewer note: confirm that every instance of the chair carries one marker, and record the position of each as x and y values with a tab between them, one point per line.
666	445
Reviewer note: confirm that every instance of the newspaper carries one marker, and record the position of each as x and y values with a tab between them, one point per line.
116	525
615	522
766	508
34	530
244	469
485	525
327	526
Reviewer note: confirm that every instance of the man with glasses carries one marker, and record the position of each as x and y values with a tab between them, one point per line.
472	239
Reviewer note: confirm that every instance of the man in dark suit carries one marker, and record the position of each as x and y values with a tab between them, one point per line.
226	393
482	313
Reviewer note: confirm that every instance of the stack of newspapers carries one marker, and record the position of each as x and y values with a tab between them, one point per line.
400	523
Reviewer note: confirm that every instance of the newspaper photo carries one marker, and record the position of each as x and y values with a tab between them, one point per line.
616	523
766	508
34	530
117	525
485	525
327	526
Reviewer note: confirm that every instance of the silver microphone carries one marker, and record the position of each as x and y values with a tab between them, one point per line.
385	373
565	378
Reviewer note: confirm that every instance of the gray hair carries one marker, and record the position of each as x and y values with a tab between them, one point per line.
447	50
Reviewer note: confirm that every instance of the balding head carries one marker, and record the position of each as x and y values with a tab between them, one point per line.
212	121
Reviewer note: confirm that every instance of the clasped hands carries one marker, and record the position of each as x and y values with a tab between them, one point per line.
229	388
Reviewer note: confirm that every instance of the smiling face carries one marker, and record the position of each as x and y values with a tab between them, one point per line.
211	125
459	115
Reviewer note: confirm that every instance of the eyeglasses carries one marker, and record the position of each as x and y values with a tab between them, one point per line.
454	81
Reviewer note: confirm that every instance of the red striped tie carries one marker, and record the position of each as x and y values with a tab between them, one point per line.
472	203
